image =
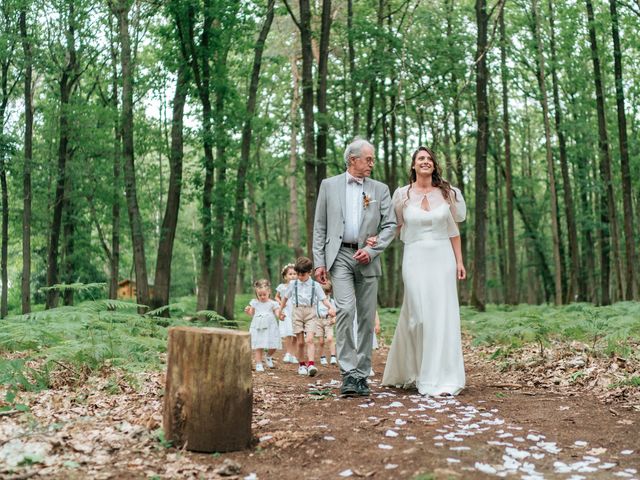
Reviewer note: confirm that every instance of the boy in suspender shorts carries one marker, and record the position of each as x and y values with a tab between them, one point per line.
305	293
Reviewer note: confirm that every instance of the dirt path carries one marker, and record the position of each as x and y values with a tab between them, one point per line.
305	431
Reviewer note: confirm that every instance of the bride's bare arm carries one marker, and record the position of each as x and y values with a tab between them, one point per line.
461	273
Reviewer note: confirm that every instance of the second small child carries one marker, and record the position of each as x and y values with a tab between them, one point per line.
305	293
325	328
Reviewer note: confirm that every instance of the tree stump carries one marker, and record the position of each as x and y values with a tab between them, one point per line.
209	394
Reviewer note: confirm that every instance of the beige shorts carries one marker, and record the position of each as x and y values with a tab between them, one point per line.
324	328
304	319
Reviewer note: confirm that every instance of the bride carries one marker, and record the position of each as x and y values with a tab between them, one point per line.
426	352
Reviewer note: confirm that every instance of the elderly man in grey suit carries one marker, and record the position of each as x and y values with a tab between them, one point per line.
350	209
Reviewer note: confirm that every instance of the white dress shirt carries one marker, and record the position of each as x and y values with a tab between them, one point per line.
353	210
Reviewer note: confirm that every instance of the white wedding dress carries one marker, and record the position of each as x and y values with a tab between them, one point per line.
426	352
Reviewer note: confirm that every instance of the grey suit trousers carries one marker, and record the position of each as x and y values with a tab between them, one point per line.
353	292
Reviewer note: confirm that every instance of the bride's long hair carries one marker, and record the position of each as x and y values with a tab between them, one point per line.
436	176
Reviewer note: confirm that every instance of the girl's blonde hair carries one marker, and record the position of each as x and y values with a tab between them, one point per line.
262	284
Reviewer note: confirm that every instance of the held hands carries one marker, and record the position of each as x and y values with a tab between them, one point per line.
461	273
332	314
361	256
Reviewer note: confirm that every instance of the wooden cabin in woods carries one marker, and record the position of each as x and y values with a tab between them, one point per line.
127	289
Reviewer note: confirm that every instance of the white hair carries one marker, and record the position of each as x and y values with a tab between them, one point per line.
354	149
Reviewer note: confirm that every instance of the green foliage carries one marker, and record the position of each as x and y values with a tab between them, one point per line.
615	326
607	330
79	338
161	439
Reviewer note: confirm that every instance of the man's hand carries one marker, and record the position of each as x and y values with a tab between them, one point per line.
362	257
321	275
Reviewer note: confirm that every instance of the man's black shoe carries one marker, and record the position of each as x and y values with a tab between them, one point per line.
349	387
363	387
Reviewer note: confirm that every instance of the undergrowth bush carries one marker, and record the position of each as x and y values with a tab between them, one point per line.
606	330
88	336
609	330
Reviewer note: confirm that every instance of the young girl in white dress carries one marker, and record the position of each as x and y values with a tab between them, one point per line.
286	326
264	329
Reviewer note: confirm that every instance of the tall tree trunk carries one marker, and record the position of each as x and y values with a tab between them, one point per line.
243	165
607	205
114	254
511	275
135	221
374	66
257	235
631	292
355	98
197	56
4	277
68	242
294	226
555	231
501	259
321	94
66	83
162	282
572	230
26	169
310	180
5	91
478	293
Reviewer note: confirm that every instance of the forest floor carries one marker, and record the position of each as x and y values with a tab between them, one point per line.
536	419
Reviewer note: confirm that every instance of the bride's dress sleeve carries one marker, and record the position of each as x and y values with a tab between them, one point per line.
398	201
458	206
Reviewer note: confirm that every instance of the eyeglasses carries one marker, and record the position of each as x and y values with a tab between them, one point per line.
368	160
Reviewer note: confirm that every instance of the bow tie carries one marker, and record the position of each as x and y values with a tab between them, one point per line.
352	179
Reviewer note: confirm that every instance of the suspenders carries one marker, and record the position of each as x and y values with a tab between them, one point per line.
313	291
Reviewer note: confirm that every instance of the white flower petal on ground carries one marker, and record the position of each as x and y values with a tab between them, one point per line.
485	468
410	437
561	467
510	463
459	449
346	473
453	460
390	466
329	438
535	438
390	433
580	443
626	452
518	454
384	446
606	466
622	475
400	422
395	405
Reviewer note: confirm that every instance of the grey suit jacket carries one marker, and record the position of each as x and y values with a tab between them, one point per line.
378	218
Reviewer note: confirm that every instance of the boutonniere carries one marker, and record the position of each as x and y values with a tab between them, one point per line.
366	200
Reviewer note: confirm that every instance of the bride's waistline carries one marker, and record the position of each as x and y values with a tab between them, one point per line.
427	240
